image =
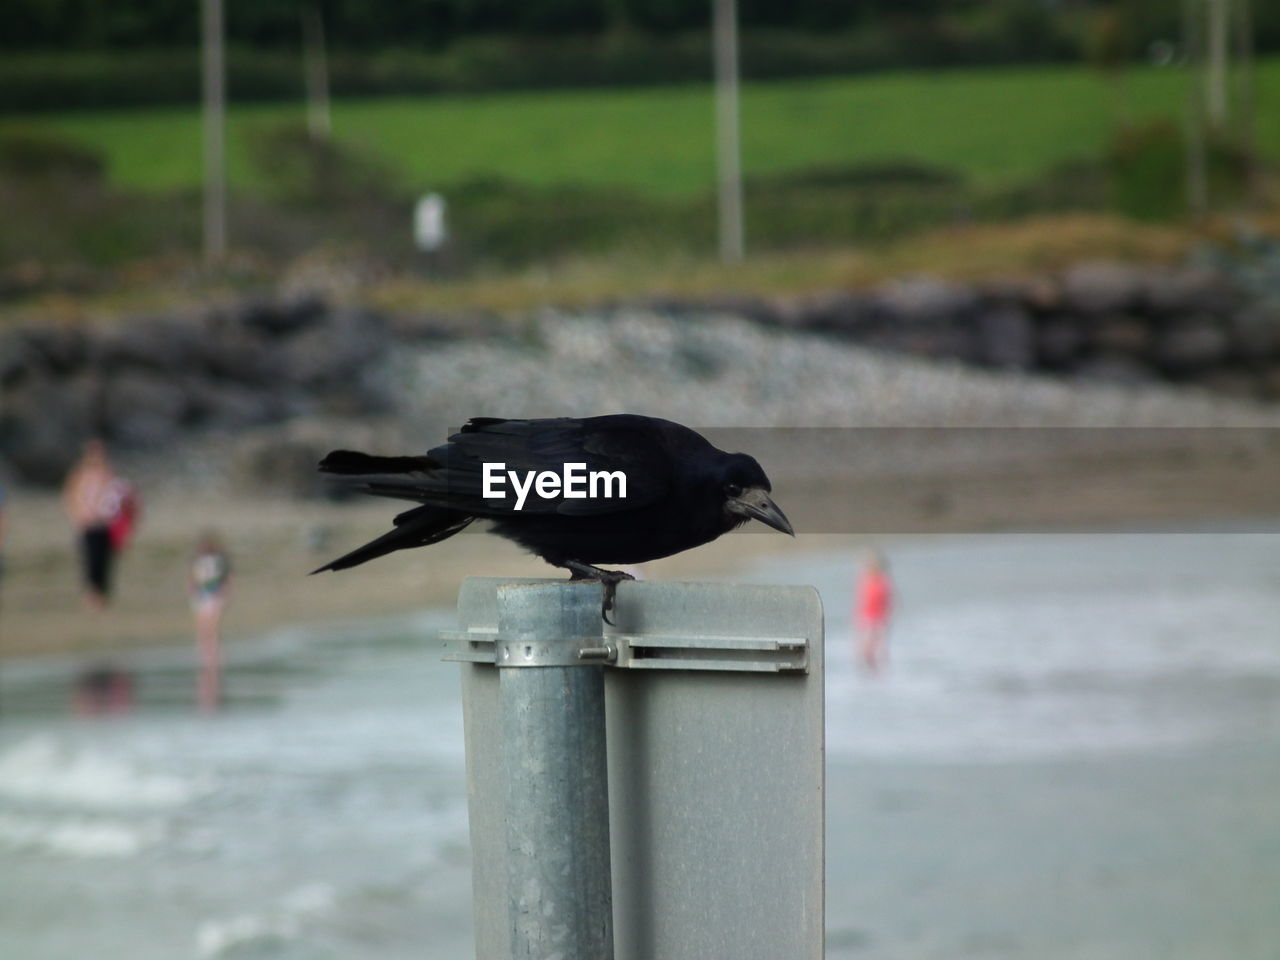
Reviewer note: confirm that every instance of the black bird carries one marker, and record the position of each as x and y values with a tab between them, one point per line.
680	491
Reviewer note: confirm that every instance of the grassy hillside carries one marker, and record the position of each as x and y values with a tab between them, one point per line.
996	126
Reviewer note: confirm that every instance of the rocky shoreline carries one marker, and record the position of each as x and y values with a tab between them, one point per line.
263	366
1098	321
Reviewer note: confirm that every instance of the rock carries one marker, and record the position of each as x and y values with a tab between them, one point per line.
1233	383
845	314
18	358
1059	342
926	300
1037	293
1255	332
241	357
1006	338
1122	335
1113	369
1101	287
1190	346
1271	383
941	341
143	410
279	317
1187	290
44	423
228	406
59	349
155	344
740	305
923	316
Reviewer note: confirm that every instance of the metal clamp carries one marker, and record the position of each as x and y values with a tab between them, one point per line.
532	651
633	651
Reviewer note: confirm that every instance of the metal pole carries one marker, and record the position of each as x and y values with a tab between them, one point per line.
725	27
551	684
316	73
215	88
1247	109
1218	106
1197	162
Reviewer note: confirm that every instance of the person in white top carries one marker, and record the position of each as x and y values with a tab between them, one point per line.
92	500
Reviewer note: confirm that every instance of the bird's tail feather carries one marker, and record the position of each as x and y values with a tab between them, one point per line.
349	463
414	528
403	478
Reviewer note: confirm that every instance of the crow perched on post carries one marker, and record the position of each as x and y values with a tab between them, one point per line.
575	492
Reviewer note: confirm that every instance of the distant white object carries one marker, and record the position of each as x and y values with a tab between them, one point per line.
429	230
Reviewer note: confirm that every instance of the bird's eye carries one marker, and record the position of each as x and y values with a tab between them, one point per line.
733	490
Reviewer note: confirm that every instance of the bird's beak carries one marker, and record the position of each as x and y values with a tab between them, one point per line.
756	503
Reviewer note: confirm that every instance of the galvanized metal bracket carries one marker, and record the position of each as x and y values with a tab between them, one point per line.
541	652
634	651
644	639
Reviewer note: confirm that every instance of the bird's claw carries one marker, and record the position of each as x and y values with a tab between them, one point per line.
609	579
610	595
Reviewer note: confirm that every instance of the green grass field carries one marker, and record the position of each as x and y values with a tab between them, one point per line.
997	126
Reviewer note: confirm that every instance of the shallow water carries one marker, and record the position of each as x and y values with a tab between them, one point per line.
1071	755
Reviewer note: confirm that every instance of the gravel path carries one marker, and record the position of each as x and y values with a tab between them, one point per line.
720	370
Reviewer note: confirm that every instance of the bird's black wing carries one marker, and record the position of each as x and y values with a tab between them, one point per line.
631	445
451	476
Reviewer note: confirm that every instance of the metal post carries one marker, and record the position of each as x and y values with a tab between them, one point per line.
1218	66
728	149
715	739
551	683
1247	107
1197	161
215	90
316	73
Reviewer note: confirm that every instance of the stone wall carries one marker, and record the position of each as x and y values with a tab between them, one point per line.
146	382
1102	321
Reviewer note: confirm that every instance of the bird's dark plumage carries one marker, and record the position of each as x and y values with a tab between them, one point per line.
680	490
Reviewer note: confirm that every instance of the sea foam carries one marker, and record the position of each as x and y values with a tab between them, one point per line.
46	770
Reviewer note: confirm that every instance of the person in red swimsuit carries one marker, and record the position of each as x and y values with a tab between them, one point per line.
875	601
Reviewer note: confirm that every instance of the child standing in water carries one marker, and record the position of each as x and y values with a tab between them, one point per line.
875	601
208	584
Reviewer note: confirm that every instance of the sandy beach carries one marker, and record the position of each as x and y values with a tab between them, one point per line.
1191	479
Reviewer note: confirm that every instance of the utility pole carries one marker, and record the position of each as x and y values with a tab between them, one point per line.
1246	107
1197	179
728	153
1217	66
315	72
215	95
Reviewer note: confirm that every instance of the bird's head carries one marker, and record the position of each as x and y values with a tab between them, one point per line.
746	492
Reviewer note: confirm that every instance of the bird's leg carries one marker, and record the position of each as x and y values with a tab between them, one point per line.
610	579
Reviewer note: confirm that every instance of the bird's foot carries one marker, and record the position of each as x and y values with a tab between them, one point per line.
609	578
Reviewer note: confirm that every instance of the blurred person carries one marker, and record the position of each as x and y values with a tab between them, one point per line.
874	605
208	585
103	690
102	507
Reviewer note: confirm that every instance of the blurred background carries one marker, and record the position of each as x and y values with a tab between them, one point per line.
579	129
990	287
